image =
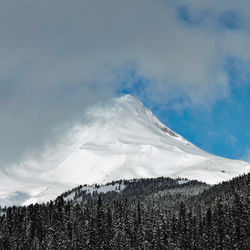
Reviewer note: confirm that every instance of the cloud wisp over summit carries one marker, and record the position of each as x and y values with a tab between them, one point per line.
59	56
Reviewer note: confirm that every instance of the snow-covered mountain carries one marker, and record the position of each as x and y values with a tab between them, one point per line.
117	139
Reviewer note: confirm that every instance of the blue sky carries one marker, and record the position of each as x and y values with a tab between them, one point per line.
188	61
223	130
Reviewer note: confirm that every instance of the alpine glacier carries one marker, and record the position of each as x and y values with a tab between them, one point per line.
117	139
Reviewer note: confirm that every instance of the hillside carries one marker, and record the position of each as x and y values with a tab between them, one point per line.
152	214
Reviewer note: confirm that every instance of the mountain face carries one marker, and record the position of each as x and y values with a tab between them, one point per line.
117	139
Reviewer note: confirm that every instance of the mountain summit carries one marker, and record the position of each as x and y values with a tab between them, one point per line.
116	139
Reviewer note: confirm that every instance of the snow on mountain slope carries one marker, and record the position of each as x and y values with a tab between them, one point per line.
117	139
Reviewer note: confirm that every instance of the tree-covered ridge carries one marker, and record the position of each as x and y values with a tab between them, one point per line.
136	189
165	218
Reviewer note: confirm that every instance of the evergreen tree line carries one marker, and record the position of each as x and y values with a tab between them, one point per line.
216	218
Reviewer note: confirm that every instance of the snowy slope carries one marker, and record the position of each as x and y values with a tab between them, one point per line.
116	187
117	139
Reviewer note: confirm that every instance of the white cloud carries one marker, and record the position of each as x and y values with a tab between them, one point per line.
45	43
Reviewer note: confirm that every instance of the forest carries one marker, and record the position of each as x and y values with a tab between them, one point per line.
160	213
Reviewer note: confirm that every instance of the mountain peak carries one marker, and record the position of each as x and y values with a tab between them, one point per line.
128	98
128	110
119	139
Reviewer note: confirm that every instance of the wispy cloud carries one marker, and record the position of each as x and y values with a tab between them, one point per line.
246	157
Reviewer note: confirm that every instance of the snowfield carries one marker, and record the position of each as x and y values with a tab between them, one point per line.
117	187
117	139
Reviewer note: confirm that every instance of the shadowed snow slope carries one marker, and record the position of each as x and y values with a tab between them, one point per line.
118	139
